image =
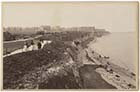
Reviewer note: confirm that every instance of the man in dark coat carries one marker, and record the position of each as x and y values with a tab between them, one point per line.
39	45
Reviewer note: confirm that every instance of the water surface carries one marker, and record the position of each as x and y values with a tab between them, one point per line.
120	47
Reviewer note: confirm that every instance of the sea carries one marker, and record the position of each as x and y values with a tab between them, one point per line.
121	47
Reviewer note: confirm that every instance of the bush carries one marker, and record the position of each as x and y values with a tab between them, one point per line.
7	36
40	32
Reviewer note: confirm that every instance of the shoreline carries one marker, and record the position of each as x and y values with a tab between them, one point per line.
125	77
119	48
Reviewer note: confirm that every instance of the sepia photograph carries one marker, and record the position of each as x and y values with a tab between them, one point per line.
70	45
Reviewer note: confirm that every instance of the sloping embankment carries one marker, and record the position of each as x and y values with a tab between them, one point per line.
33	69
60	65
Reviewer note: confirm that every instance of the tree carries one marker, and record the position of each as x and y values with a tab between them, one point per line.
40	32
7	36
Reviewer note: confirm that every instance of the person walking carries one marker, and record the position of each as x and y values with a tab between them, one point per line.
39	45
25	47
34	46
42	43
31	46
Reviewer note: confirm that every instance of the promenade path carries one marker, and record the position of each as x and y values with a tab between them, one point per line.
21	49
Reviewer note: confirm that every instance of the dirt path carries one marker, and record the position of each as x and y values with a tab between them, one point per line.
21	49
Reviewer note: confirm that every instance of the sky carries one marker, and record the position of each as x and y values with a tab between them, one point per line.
114	17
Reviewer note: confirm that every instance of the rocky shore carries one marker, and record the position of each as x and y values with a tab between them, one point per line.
114	75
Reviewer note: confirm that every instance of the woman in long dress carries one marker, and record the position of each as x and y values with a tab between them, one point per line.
43	43
31	46
25	47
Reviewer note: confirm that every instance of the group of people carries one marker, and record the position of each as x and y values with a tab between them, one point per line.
33	46
30	46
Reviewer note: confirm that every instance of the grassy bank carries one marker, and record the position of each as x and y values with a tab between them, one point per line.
56	66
